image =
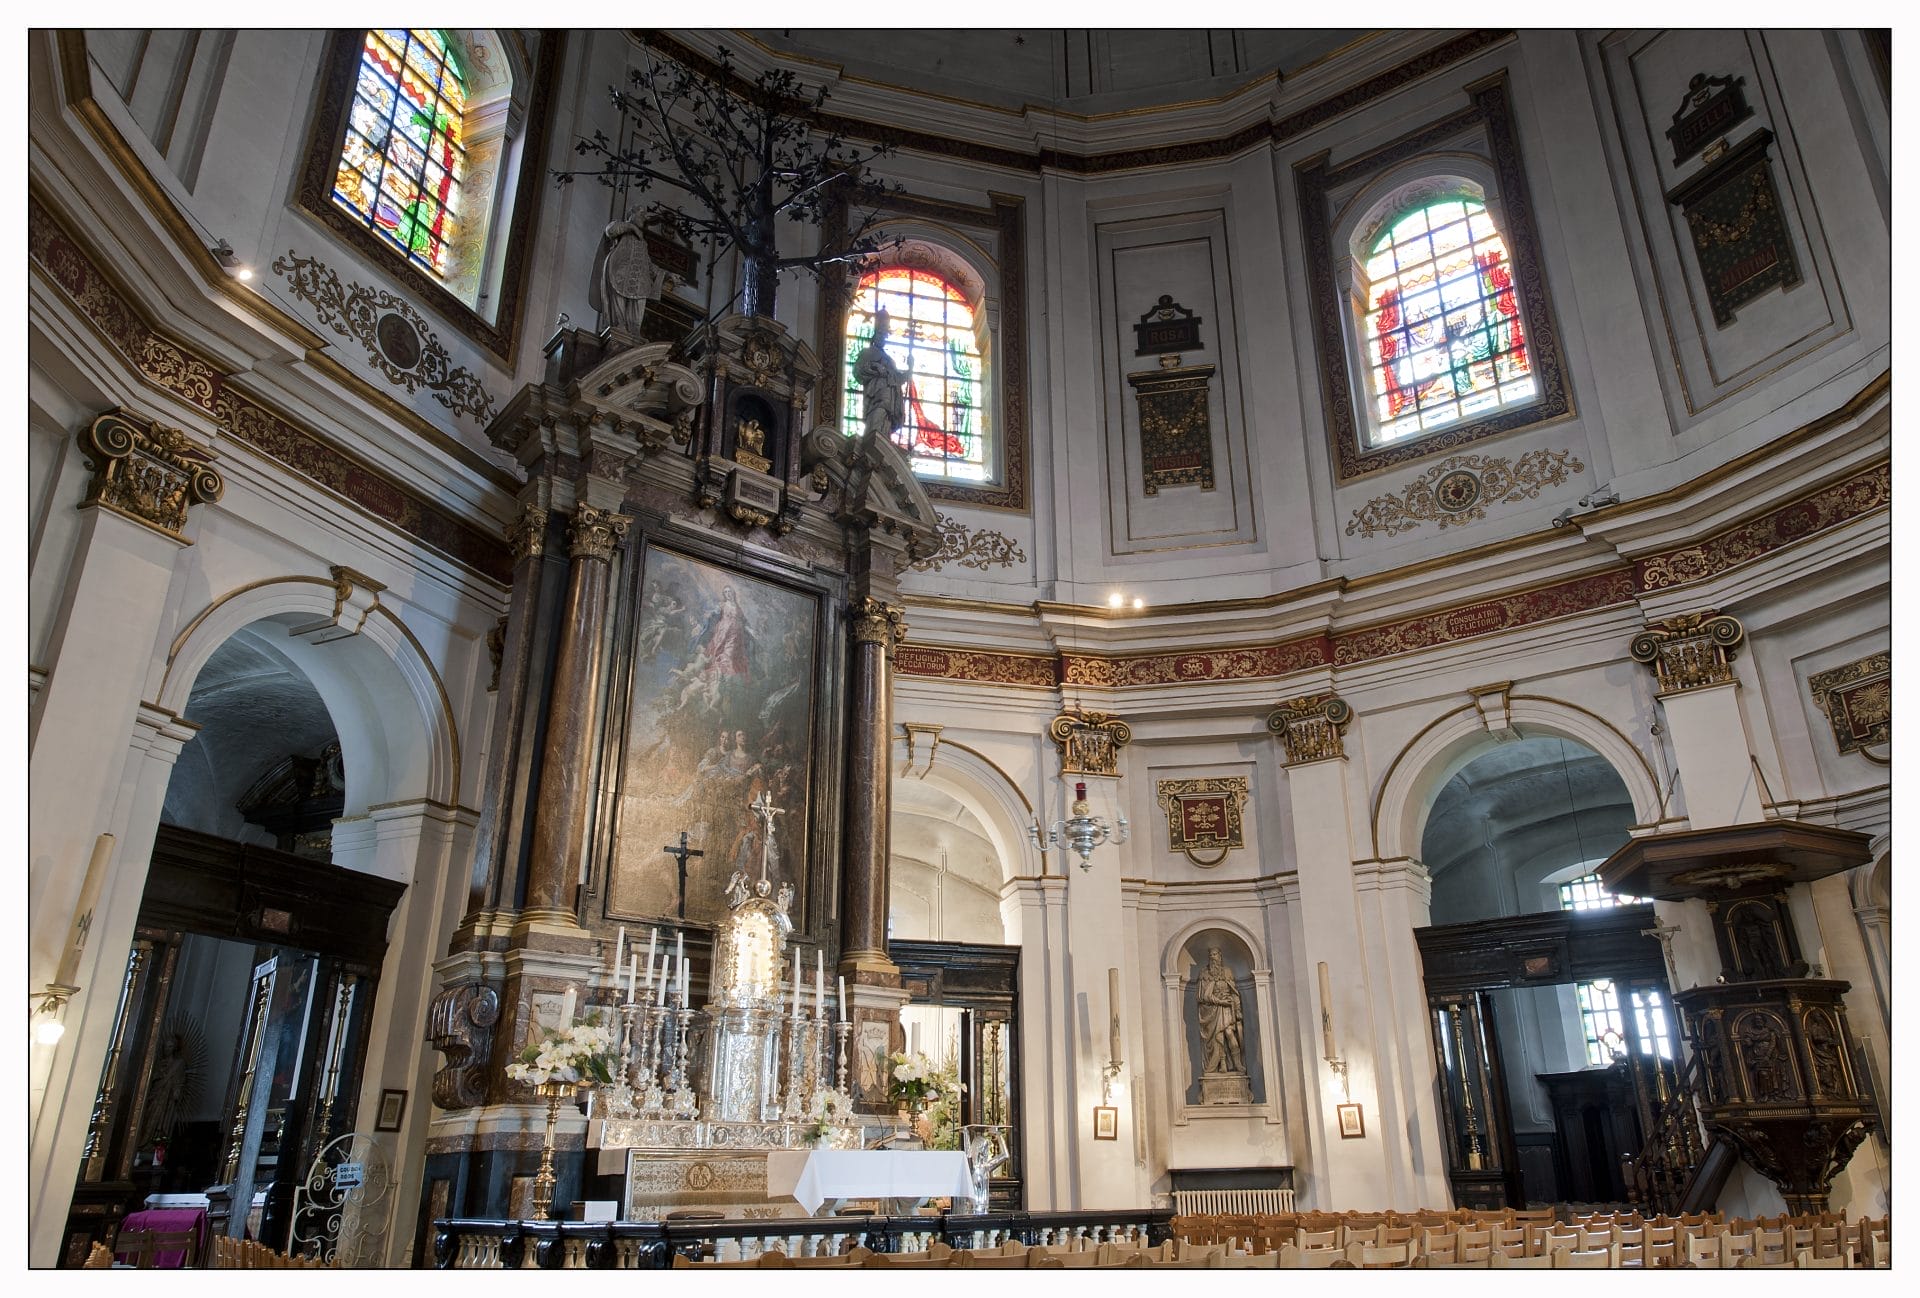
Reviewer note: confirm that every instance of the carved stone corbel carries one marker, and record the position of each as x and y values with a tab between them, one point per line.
1312	727
147	473
355	596
1689	652
1496	709
460	1024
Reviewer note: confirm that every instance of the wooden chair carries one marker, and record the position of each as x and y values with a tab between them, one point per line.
1381	1257
1807	1260
142	1247
1733	1247
987	1260
1876	1244
1512	1242
1632	1244
1598	1259
1307	1241
1441	1247
1062	1259
1530	1262
1475	1244
1436	1264
1703	1252
1312	1259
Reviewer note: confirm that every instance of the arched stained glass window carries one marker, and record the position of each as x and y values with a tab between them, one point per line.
933	338
1442	326
403	161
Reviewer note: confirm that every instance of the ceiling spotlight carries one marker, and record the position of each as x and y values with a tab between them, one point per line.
230	261
1138	602
1115	600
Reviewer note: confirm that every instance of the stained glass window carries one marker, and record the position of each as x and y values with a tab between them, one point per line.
1600	1015
931	337
1443	331
402	160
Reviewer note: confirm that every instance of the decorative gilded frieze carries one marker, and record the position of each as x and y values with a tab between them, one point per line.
1857	700
877	622
960	544
1459	488
975	666
1089	742
398	340
1796	520
527	533
1249	663
1312	727
593	533
147	473
1204	816
1689	652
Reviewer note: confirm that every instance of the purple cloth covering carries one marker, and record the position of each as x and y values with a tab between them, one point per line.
168	1220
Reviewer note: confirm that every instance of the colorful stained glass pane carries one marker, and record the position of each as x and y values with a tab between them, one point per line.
931	337
404	137
1442	320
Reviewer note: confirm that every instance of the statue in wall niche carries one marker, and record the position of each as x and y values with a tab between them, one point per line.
882	385
1223	1069
624	277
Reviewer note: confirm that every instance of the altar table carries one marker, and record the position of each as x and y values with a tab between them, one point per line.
817	1176
170	1220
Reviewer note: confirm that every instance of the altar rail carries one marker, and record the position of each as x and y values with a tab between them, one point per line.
1241	1202
467	1244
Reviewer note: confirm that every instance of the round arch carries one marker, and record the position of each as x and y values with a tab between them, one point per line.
1450	741
398	739
983	789
1174	945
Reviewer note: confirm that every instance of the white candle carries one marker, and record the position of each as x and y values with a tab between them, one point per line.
679	949
796	983
566	1010
653	936
619	953
819	982
633	974
69	967
914	1045
660	989
842	978
683	984
1326	1013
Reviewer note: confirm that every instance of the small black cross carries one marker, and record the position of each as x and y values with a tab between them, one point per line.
680	855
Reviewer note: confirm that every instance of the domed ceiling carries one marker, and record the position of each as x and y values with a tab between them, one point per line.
1078	70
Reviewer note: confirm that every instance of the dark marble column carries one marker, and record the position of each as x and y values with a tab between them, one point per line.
877	627
560	815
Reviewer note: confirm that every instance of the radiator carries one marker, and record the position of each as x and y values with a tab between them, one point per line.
1235	1202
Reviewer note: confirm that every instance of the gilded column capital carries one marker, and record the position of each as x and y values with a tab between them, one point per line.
1313	727
528	532
147	473
594	533
1689	652
877	622
1089	742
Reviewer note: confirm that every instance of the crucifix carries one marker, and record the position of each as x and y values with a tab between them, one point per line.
763	807
1664	933
680	855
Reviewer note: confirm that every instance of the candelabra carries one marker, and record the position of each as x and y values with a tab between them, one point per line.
795	1107
620	1094
1082	831
843	1029
683	1101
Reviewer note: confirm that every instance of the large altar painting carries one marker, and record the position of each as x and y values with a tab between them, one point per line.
721	711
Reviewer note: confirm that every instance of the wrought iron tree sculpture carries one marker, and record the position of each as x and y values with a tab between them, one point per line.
745	154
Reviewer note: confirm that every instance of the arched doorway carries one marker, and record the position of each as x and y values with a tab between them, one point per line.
1552	1025
248	991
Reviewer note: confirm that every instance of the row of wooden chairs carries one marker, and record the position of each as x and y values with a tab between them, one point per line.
247	1255
1007	1257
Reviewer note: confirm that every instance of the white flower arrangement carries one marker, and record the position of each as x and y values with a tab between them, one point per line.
579	1054
830	1108
910	1077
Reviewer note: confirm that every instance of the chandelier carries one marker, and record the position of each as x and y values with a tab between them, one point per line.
1080	831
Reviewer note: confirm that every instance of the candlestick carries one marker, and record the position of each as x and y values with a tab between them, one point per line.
796	984
683	984
619	953
679	950
653	936
660	988
842	1029
1326	1013
1113	1013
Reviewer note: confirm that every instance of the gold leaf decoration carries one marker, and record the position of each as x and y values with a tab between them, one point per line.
399	342
1459	488
970	549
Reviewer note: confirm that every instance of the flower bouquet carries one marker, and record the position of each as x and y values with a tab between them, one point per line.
578	1055
830	1110
911	1079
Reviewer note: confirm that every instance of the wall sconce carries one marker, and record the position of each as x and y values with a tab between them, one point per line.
48	1005
230	260
1334	1061
1082	831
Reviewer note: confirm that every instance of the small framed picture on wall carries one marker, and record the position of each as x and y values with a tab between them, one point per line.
1353	1124
393	1104
1106	1122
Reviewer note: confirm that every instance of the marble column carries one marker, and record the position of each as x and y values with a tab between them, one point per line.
560	815
877	628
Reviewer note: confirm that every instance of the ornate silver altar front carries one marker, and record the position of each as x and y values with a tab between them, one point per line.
743	1005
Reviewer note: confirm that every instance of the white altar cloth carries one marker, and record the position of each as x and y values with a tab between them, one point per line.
814	1176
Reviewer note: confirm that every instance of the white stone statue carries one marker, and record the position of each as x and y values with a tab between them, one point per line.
882	385
1222	1029
624	277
